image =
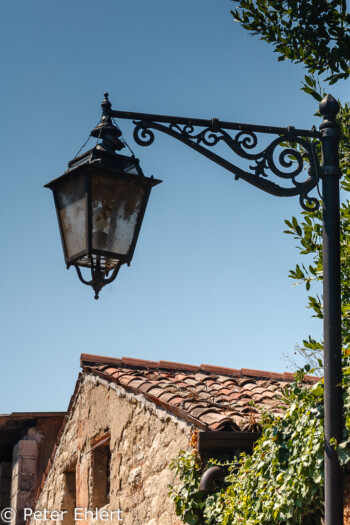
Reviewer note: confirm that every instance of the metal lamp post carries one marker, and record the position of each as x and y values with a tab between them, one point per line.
286	157
333	422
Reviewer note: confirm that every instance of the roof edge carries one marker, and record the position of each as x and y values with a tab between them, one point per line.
92	359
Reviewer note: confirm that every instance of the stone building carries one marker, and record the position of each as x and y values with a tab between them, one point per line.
107	459
127	419
26	444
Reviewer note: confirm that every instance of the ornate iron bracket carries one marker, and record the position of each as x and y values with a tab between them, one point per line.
290	155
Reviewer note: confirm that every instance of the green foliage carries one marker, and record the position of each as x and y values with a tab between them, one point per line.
193	505
308	233
313	32
282	481
312	86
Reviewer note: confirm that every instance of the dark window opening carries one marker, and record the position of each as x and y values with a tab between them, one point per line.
101	479
69	498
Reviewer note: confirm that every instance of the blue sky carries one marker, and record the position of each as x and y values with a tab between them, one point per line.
209	279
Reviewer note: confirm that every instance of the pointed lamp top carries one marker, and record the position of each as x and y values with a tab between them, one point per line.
329	107
106	130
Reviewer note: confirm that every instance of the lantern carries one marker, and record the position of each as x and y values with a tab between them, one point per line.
100	203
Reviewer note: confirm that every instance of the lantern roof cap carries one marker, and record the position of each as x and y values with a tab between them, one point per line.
108	162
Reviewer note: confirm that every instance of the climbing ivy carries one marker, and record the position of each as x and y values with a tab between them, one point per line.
282	481
191	504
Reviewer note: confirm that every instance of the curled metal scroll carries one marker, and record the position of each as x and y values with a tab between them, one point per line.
287	156
98	278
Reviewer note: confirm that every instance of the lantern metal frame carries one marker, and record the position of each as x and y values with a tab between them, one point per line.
102	161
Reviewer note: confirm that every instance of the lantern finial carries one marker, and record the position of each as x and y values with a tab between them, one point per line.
106	106
106	130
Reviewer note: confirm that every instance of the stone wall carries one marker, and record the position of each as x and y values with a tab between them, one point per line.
24	477
347	501
142	439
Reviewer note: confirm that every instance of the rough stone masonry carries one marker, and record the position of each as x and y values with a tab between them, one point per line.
115	452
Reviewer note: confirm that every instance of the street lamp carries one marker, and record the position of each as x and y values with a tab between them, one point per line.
100	203
100	231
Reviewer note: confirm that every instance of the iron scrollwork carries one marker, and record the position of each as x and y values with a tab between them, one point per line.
99	277
289	155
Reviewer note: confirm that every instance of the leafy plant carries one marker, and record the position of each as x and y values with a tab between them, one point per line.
282	481
313	32
193	505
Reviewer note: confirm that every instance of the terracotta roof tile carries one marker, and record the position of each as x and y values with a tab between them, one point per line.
259	373
166	396
227	381
176	400
91	358
204	395
235	395
224	392
257	390
198	412
138	362
180	377
220	370
288	375
312	379
212	417
225	424
267	395
273	387
190	381
177	366
199	376
156	391
126	379
147	386
211	397
180	384
109	370
200	387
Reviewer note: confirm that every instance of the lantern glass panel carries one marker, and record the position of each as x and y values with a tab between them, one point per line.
116	205
72	209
